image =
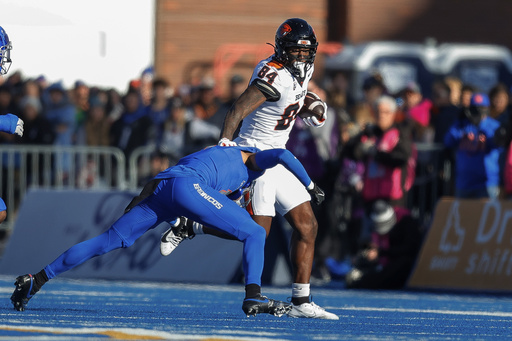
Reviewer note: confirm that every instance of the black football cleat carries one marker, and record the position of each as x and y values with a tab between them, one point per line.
23	292
262	304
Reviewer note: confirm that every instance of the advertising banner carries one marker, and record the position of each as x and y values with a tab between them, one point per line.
49	222
468	246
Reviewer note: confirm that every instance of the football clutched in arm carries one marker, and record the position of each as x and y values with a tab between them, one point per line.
314	110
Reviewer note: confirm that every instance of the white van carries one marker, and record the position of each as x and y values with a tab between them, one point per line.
399	63
480	65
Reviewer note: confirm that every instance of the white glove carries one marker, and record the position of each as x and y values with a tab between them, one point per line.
19	127
225	142
312	121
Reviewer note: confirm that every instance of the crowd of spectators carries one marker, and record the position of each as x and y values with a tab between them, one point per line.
175	120
151	111
374	158
364	154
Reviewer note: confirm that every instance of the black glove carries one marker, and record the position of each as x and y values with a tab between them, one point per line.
317	195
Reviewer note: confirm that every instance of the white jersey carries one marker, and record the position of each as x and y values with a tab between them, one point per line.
269	126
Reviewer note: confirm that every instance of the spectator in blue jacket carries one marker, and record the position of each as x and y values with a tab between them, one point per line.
61	114
477	171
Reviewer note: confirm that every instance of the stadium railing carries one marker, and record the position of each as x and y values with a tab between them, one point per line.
23	167
139	165
433	179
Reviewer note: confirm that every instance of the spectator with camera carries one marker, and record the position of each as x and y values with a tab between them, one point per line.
477	170
387	152
386	149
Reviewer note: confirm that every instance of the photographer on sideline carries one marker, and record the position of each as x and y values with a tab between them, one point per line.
387	260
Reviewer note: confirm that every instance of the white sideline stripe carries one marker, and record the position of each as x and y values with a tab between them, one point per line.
430	311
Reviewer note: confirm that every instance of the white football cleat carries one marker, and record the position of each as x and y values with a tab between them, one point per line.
174	236
311	310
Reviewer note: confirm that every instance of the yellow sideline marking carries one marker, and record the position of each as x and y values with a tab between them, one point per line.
110	333
116	335
30	330
124	336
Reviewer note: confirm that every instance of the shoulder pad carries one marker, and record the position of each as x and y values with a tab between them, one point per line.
268	90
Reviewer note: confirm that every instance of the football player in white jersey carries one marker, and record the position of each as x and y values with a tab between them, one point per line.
267	110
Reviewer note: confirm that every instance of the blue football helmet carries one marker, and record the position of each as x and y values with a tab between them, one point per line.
5	52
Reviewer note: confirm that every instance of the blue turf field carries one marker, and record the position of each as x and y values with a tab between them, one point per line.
89	310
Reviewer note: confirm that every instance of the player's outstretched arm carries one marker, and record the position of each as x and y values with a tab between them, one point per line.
272	157
11	124
248	101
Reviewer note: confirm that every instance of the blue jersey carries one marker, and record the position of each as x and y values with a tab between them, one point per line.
8	123
221	168
477	157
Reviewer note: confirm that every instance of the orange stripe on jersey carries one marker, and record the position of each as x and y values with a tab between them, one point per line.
247	198
276	64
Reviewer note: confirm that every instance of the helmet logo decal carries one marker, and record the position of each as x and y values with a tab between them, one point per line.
293	37
285	29
478	99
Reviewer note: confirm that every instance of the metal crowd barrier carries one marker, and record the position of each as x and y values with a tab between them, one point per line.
433	179
57	167
81	167
139	164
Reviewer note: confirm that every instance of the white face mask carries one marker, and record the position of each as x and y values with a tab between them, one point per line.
5	58
301	66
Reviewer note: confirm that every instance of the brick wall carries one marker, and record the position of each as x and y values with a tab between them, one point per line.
188	33
377	20
470	21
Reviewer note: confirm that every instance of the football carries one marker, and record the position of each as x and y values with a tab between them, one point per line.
313	106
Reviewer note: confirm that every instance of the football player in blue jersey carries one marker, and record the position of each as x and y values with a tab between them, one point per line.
9	123
5	52
197	187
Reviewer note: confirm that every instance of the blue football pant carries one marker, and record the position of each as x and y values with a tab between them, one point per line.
173	198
